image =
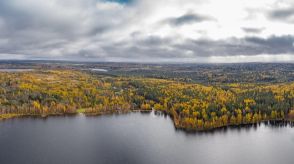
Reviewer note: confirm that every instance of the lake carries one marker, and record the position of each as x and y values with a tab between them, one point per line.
99	70
16	70
137	138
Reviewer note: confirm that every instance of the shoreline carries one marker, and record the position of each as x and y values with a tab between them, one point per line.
243	125
4	117
16	115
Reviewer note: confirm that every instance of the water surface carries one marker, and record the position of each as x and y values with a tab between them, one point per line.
138	138
99	70
16	70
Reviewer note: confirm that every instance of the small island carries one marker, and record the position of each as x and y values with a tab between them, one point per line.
193	105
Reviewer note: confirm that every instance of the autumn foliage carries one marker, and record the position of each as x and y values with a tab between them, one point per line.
192	106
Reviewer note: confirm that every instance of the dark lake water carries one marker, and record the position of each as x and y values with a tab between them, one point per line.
138	138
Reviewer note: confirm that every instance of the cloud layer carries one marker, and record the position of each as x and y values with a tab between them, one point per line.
148	31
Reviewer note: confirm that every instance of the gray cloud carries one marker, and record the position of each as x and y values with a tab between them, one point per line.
253	30
245	46
101	30
49	30
158	48
188	18
282	14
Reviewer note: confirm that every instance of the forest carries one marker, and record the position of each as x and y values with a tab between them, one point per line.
191	105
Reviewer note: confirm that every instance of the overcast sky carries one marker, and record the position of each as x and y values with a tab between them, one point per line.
148	30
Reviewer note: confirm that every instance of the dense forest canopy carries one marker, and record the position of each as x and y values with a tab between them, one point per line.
193	106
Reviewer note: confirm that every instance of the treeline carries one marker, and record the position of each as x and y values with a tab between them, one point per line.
212	73
192	106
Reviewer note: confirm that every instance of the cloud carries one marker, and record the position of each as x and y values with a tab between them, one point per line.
100	30
253	30
155	48
121	1
188	18
274	45
282	14
49	29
